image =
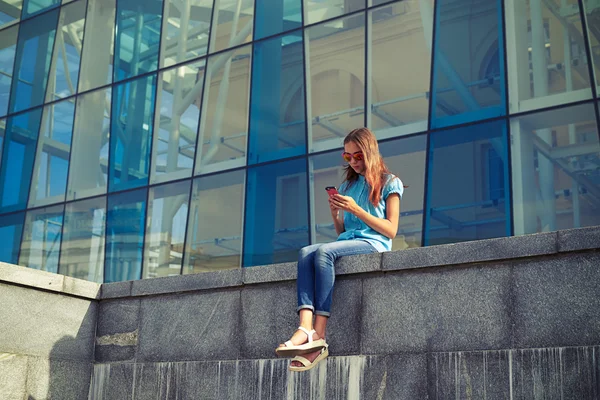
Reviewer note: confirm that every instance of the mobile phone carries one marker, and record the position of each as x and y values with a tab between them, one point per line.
331	190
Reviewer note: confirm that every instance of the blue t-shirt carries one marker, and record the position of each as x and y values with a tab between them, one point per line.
354	227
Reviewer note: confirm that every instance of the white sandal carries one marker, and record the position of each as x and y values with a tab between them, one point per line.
290	350
306	365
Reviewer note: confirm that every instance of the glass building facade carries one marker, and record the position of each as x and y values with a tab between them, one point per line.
147	138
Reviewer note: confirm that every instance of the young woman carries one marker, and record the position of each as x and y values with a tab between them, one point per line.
365	215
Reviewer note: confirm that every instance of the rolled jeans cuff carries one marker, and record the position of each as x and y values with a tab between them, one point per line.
323	313
305	307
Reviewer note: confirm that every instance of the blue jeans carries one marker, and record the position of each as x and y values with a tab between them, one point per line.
316	272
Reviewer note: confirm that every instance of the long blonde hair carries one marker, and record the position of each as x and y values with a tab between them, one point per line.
376	172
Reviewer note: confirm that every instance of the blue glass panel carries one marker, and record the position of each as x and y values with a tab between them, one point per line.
137	37
82	250
31	7
41	239
65	61
276	213
467	196
132	119
320	10
11	227
18	155
32	61
49	181
125	227
167	218
273	17
10	11
8	47
468	81
556	179
276	129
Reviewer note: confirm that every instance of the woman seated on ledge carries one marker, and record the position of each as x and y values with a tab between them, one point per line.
370	200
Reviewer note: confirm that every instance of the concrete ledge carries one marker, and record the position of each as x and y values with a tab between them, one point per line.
270	273
186	283
472	252
33	278
579	239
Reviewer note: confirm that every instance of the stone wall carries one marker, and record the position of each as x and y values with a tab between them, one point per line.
509	318
47	329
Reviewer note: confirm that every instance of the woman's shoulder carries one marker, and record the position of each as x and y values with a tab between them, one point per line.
391	179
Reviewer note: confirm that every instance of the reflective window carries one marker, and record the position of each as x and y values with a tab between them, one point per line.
18	155
276	213
591	14
31	7
2	133
49	180
470	200
132	119
185	30
64	71
273	17
400	43
555	156
321	10
167	217
41	239
232	24
97	54
82	250
336	87
10	10
125	227
8	46
32	61
214	235
89	160
137	38
547	61
178	104
468	72
224	116
277	120
11	228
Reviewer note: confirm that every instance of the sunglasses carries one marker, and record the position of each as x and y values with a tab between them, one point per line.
358	156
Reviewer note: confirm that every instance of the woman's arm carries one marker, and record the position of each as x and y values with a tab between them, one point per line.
338	220
387	226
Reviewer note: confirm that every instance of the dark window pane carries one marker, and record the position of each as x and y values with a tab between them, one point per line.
82	252
468	83
31	7
185	30
125	227
336	81
89	155
64	71
546	54
49	182
8	47
276	213
232	24
131	126
320	10
167	217
32	61
277	122
97	54
41	239
273	17
11	228
176	125
400	43
17	159
463	202
556	179
214	240
224	115
137	37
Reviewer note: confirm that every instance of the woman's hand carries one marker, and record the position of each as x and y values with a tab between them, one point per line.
334	209
345	203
